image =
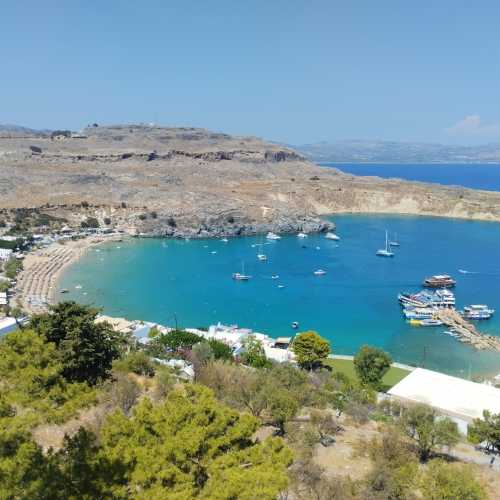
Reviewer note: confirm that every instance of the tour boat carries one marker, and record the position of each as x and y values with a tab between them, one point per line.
273	236
319	272
261	256
477	311
331	236
302	235
385	252
439	281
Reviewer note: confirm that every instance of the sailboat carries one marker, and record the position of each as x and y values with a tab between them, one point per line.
241	276
385	252
394	242
261	256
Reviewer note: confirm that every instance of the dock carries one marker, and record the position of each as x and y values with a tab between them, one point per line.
467	332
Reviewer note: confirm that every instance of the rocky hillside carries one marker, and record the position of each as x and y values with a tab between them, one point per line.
186	181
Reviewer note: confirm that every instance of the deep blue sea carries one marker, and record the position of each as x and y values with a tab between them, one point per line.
353	304
480	176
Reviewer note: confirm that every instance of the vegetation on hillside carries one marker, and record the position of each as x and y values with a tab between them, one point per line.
135	429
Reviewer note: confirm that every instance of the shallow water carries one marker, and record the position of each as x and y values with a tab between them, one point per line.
353	304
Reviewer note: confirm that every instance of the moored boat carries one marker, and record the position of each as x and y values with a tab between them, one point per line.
302	235
273	236
477	312
319	272
331	236
439	281
261	256
385	252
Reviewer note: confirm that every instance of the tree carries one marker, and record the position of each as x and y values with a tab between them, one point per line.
137	362
122	392
17	313
442	481
486	429
90	222
254	354
177	340
12	267
191	446
428	430
371	364
86	348
220	350
310	349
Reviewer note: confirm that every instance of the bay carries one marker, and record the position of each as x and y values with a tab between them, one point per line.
355	303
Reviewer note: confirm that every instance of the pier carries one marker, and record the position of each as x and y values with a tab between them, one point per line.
467	332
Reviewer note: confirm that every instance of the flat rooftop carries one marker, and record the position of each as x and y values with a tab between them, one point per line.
450	395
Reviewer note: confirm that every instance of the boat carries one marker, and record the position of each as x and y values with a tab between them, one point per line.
319	272
295	325
213	252
385	252
438	299
281	286
431	322
241	276
63	290
419	313
275	277
224	240
302	235
439	281
477	312
78	287
331	236
273	236
261	256
395	242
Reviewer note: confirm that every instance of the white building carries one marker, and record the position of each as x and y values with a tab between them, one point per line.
7	325
459	399
5	253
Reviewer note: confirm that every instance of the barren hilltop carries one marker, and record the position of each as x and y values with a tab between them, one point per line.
193	182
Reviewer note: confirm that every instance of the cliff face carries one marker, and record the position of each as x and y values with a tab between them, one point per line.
195	182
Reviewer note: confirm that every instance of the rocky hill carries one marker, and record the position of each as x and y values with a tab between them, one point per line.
193	182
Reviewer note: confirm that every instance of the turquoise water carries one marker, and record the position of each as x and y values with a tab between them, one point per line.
477	176
353	304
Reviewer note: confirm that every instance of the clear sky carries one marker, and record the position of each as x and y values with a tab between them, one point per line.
288	70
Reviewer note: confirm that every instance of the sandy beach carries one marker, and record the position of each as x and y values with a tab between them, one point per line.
37	283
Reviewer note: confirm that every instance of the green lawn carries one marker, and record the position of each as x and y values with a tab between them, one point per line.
346	366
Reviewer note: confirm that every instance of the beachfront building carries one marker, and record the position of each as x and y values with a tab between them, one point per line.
459	399
5	253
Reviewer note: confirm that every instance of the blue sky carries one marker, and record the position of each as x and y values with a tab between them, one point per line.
291	71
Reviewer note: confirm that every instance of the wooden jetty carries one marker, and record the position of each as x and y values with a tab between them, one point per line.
467	332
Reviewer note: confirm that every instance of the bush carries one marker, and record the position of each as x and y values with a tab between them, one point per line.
107	221
137	362
12	267
90	222
171	222
143	216
153	215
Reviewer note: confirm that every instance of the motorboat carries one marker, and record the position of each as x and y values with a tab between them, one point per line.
477	312
302	235
262	256
319	272
331	236
275	277
439	281
385	252
273	236
224	240
295	325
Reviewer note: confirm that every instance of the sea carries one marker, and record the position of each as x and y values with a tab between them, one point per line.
476	176
354	303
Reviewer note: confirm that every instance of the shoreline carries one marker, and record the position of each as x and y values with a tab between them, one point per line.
37	283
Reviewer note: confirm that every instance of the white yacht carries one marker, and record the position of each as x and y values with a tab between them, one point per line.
385	252
273	236
331	236
319	272
241	276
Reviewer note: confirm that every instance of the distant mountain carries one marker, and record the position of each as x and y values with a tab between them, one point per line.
17	131
358	151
